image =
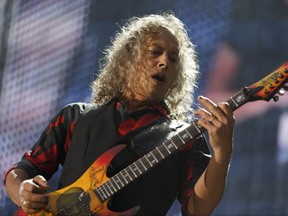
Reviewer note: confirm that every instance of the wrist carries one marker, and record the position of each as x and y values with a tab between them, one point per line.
222	157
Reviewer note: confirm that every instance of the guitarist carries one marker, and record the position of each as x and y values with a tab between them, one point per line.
145	83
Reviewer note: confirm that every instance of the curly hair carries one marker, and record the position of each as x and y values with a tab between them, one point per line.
119	63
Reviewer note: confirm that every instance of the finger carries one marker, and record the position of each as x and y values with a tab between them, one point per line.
224	106
41	182
33	197
207	116
31	211
209	105
30	186
28	204
213	108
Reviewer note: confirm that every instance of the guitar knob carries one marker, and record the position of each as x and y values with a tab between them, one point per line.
276	98
285	70
271	86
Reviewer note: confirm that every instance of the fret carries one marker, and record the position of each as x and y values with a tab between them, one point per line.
128	174
139	170
184	136
196	127
106	185
124	177
115	181
119	180
110	184
164	150
103	186
143	164
101	194
145	156
133	171
159	152
167	148
183	142
172	142
191	137
151	153
233	101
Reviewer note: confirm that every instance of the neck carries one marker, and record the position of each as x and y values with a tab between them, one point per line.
133	106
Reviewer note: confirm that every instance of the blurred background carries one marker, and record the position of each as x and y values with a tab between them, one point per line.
49	55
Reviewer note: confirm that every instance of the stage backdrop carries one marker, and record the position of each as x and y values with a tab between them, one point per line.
49	55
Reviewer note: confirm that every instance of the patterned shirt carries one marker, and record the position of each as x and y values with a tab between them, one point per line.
50	150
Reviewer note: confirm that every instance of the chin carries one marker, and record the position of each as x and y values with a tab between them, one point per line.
155	100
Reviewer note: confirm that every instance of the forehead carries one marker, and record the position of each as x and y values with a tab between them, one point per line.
162	37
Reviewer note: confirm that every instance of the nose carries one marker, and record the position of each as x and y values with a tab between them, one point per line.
163	61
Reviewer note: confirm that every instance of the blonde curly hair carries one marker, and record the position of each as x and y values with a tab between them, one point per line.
119	63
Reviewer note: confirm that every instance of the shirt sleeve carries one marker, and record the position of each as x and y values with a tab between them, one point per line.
193	160
50	150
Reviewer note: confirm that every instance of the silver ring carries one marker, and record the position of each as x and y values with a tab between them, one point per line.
213	117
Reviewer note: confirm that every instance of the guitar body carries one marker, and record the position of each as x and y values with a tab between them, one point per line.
79	198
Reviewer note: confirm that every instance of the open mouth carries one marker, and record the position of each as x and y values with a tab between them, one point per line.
158	78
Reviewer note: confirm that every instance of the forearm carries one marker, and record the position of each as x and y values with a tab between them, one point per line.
13	181
209	189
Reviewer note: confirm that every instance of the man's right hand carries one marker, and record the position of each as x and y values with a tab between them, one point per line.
32	194
29	194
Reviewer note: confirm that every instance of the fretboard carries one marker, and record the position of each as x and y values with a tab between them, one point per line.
167	148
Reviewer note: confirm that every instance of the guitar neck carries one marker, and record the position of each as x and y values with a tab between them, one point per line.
240	98
167	148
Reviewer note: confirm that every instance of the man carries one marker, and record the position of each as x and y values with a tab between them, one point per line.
145	83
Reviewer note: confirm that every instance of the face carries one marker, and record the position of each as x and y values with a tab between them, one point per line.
157	68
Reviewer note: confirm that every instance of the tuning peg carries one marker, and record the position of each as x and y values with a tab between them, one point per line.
276	98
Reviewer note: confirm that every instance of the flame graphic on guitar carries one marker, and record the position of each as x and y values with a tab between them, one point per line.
90	194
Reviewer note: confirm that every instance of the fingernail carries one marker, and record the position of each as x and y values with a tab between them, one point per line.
200	97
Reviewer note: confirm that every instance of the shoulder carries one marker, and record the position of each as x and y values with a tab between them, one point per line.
73	111
79	107
178	125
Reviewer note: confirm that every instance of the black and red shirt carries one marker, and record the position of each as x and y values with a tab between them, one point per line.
51	149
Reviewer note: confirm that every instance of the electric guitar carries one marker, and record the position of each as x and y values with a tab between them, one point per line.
90	194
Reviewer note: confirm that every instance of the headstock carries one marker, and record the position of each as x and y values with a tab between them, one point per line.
270	86
267	88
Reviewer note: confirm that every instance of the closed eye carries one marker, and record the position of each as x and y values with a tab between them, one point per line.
173	59
155	52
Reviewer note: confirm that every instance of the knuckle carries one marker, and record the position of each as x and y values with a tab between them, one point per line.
37	178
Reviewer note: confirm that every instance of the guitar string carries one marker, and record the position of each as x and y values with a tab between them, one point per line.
147	162
150	163
285	69
86	198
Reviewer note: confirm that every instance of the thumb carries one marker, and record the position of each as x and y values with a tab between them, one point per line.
41	182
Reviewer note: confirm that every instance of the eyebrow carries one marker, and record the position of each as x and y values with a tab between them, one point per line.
174	49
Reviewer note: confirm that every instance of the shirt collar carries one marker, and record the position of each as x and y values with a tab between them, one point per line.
162	108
